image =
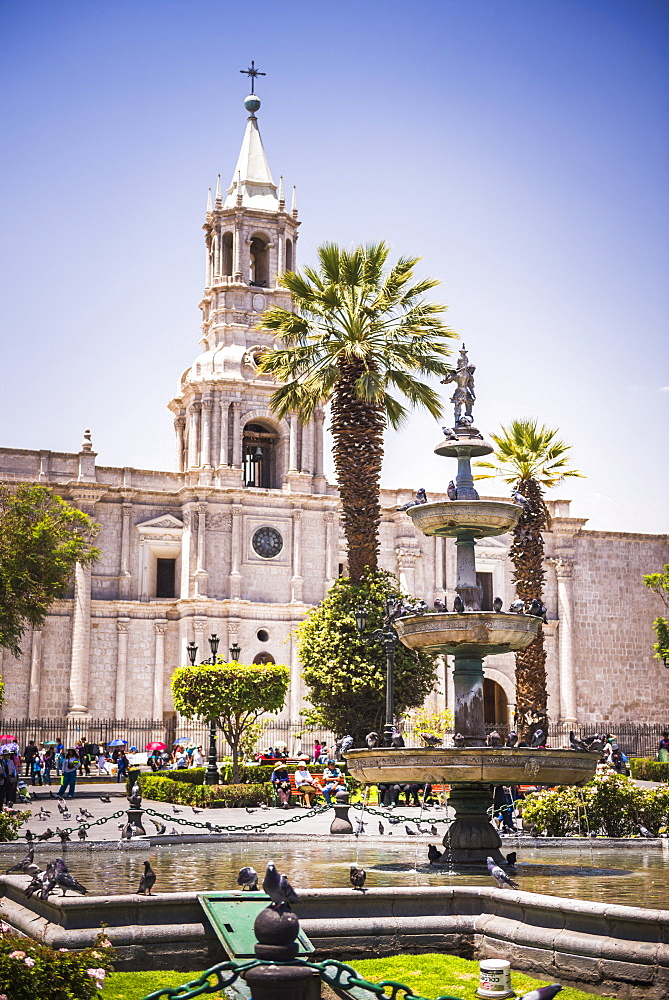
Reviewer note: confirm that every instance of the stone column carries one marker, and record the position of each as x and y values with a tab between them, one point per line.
296	581
237	434
126	576
184	591
292	447
223	445
331	542
564	572
35	671
307	462
201	571
179	425
406	563
159	669
81	642
235	579
438	587
199	632
205	432
121	666
193	428
237	251
215	447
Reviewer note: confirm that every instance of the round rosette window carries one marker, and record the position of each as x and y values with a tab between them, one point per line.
267	542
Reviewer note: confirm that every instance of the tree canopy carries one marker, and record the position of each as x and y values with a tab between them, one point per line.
42	538
530	458
345	675
235	694
659	584
364	338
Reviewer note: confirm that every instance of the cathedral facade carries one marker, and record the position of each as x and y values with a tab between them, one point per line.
243	538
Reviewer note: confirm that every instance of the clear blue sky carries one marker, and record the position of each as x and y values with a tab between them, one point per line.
519	147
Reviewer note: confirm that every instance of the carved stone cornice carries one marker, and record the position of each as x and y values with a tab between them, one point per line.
86	496
563	566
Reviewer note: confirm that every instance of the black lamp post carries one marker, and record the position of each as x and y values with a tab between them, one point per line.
235	651
388	638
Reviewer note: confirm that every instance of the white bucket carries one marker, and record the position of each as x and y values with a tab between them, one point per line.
494	979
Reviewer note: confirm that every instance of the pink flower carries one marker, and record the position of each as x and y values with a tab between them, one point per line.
5	928
18	954
106	944
3	996
96	973
63	949
29	962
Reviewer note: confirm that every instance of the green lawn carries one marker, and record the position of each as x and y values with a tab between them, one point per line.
428	975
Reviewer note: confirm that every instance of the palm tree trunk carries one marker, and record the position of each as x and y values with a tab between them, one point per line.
357	430
527	555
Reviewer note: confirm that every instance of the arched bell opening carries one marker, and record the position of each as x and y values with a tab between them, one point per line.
259	448
495	703
289	255
226	255
259	261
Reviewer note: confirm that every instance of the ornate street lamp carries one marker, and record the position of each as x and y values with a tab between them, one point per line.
388	638
191	649
235	651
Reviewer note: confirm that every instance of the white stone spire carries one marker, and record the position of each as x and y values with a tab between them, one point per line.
293	205
208	200
252	178
218	192
282	199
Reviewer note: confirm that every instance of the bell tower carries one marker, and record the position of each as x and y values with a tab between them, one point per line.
226	435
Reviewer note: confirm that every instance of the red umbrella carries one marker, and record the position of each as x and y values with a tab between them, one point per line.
7	737
156	746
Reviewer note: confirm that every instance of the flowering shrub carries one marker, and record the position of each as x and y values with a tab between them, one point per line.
9	825
610	805
32	971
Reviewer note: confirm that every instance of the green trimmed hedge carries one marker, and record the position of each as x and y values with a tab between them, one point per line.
161	789
189	775
646	769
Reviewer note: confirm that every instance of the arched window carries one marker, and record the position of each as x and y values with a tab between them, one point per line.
289	255
495	703
259	262
263	658
259	456
226	255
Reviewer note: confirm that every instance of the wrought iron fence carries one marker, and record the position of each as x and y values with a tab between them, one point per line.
635	740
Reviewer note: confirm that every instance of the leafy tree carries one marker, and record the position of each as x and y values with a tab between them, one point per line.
659	584
42	538
234	694
359	336
424	721
531	459
346	675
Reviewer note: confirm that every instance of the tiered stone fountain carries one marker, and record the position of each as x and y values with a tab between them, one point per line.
469	636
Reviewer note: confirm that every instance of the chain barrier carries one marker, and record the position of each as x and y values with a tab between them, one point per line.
246	828
332	972
394	818
84	826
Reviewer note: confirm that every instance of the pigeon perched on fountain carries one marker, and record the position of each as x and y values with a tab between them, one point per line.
543	993
357	877
500	875
511	858
494	739
433	854
81	833
160	827
517	607
431	739
452	491
537	609
410	832
278	888
458	605
343	744
449	434
23	865
397	740
440	606
497	605
512	739
65	880
645	832
372	740
63	834
419	608
248	878
421	497
537	739
522	501
147	881
575	743
459	740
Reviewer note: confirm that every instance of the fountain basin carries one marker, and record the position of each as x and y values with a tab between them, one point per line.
473	633
447	766
478	518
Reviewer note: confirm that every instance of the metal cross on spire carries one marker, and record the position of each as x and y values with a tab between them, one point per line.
253	73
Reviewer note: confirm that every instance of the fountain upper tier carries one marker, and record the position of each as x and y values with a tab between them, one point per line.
474	633
458	518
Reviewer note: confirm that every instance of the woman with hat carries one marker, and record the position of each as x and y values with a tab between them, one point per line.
304	783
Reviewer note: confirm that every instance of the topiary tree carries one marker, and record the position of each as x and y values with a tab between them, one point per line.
234	694
345	676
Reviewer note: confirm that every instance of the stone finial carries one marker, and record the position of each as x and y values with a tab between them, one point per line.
239	187
281	196
219	199
293	206
87	444
208	201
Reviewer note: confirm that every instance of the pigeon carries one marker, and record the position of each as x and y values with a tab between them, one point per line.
279	889
63	834
511	858
176	811
174	832
85	813
372	740
440	606
537	739
40	882
67	815
43	813
47	835
394	821
645	832
459	740
499	875
249	810
360	828
419	608
494	739
248	878
497	605
105	798
512	739
357	877
24	864
433	855
451	491
537	609
431	739
589	740
449	434
29	835
433	831
82	833
458	605
576	743
517	607
522	501
196	811
421	497
597	745
67	881
397	740
62	808
543	993
410	832
381	828
343	744
160	827
52	795
147	881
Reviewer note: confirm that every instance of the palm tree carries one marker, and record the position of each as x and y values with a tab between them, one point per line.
358	333
530	458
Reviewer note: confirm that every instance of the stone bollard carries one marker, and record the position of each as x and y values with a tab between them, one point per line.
134	813
341	822
276	931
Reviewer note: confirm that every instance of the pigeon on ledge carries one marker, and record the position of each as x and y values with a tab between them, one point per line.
358	876
248	878
278	888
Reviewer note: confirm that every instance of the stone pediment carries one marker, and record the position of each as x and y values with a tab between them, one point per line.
166	522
